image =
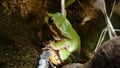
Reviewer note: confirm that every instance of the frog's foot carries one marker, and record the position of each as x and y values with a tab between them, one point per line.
54	57
48	46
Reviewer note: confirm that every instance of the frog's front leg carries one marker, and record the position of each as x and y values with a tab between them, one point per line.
57	45
59	51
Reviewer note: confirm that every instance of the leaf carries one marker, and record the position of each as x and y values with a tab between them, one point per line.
69	2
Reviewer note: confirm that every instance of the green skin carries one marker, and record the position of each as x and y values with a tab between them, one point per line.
71	42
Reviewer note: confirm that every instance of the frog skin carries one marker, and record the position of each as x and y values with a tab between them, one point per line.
67	45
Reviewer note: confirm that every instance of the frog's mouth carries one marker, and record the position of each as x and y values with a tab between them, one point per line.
55	32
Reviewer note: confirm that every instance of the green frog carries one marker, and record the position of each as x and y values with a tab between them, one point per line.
66	40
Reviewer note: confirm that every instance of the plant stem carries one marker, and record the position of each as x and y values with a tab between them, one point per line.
63	7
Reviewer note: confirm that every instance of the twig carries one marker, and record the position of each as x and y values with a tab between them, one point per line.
63	7
112	9
101	39
110	28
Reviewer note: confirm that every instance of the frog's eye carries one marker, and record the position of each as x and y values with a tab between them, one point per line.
50	21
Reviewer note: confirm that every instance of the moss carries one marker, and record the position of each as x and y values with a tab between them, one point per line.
19	24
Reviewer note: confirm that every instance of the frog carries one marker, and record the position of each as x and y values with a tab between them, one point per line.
66	39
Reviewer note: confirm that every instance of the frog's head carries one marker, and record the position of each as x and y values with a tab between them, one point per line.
55	24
